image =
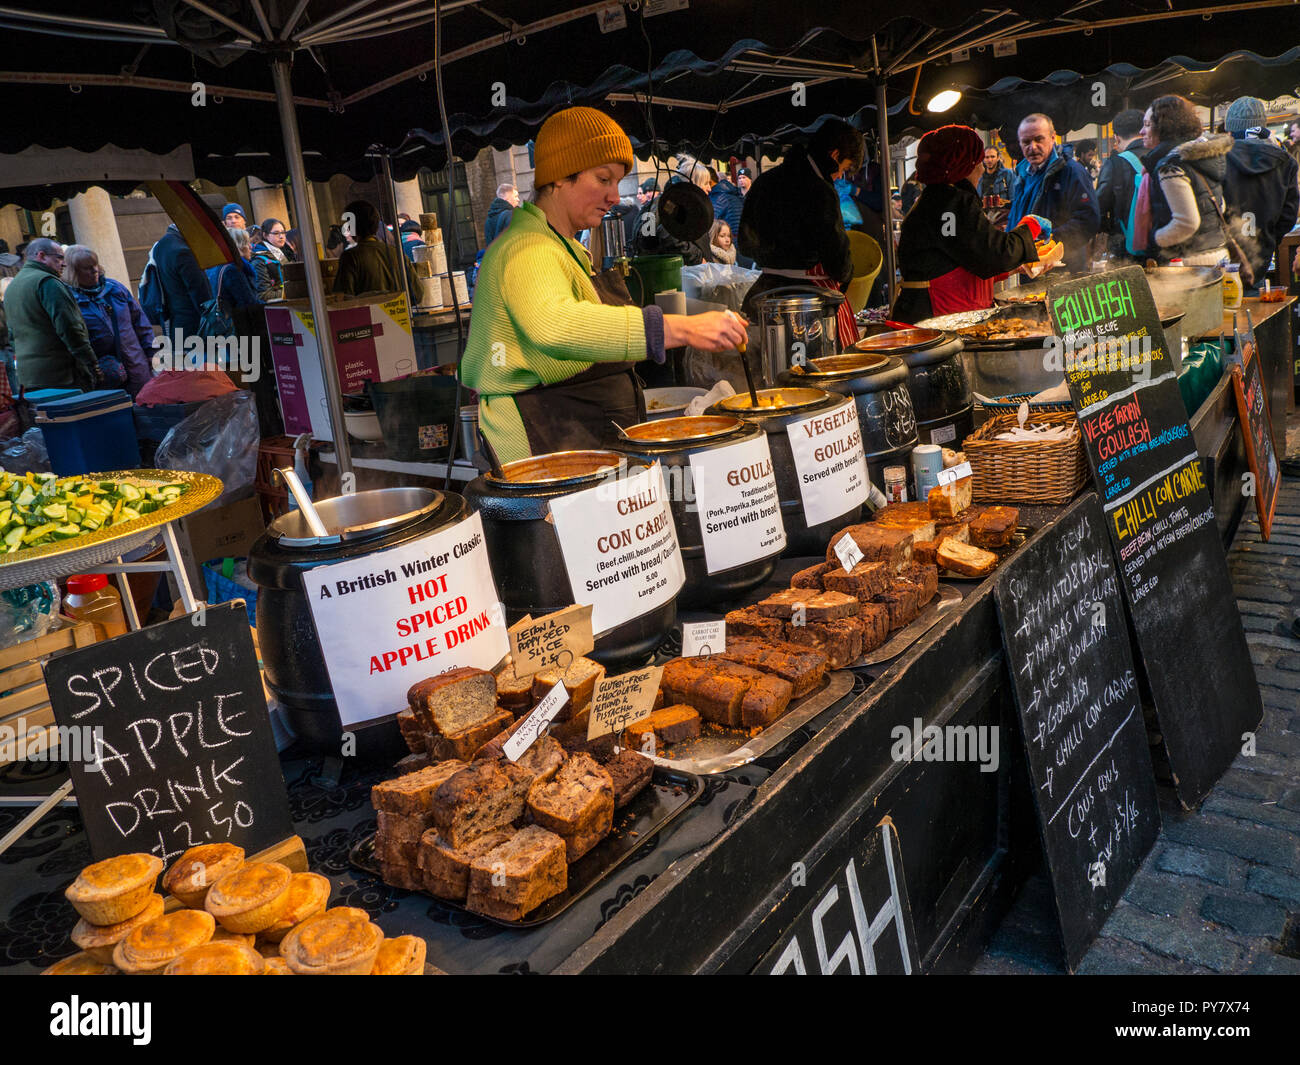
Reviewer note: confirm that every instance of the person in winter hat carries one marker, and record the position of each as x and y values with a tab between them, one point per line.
232	215
1259	185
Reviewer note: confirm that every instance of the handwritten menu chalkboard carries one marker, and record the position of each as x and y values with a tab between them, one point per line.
1257	429
179	723
1077	692
1160	517
858	923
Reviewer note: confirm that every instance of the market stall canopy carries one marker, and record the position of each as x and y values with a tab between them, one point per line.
186	71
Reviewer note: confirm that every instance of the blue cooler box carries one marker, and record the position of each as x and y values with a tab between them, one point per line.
47	395
88	433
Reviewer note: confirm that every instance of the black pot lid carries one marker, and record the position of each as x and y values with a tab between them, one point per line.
900	340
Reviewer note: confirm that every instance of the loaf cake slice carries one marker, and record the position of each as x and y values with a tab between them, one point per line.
465	744
966	559
445	869
672	724
513	692
767	699
926	579
993	526
482	796
749	622
630	772
412	794
901	600
949	500
542	758
412	731
874	618
879	543
812	576
917	510
579	680
455	700
865	580
578	805
816	606
514	878
803	666
840	640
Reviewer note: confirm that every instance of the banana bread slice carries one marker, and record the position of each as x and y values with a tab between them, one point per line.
446	869
578	805
455	700
514	878
412	731
579	680
412	794
840	640
466	743
542	759
482	796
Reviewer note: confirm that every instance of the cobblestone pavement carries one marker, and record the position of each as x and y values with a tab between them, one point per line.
1220	890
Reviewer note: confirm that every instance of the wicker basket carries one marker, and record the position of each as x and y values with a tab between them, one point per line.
1026	472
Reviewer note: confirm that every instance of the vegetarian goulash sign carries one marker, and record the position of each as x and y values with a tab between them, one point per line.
1077	691
831	464
620	547
737	504
185	753
398	616
1160	517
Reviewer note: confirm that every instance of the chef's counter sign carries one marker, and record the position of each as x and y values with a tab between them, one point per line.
831	464
398	616
620	547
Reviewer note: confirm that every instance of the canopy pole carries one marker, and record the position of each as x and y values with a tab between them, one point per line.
887	177
311	265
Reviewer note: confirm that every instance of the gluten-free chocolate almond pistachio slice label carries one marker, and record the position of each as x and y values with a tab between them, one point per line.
620	547
618	701
737	504
829	460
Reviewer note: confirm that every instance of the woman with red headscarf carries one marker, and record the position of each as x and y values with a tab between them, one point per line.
949	253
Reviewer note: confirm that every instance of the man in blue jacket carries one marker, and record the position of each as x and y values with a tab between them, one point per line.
1057	188
185	288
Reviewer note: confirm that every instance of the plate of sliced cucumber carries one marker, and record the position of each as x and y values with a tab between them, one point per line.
52	526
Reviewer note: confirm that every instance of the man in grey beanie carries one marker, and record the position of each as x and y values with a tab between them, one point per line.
1260	186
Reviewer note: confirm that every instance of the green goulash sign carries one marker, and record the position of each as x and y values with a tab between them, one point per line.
1160	516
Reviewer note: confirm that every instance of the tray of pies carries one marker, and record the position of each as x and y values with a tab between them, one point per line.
692	733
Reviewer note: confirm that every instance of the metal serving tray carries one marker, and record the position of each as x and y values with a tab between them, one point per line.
661	802
716	749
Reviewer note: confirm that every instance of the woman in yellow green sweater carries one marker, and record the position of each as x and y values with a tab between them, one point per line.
551	360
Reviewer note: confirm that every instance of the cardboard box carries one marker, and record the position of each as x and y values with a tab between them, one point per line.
218	532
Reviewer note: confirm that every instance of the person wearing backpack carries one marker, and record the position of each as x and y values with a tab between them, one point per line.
174	289
1117	186
121	337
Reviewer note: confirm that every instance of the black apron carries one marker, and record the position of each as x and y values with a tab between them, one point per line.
576	414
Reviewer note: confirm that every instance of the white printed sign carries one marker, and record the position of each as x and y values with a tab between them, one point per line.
388	620
537	722
620	547
737	504
829	460
703	638
954	473
848	552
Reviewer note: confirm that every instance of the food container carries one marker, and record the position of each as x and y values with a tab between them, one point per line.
358	524
1010	471
797	325
940	388
672	442
778	408
1196	291
669	402
524	549
896	484
879	387
89	431
363	425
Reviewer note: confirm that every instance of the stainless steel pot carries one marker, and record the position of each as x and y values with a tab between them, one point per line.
789	405
525	552
798	324
358	524
672	442
1196	291
879	387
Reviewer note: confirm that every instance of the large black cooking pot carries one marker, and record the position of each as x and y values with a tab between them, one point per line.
778	407
526	558
358	524
878	385
672	442
941	395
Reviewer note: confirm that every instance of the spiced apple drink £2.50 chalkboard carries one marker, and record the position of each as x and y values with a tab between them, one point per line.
1076	689
1160	518
178	718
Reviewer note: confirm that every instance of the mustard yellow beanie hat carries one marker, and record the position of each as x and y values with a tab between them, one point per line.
576	139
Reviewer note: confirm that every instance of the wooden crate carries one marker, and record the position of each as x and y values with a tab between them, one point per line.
24	702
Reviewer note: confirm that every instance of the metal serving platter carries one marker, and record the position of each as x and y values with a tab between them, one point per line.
657	805
948	599
85	552
716	749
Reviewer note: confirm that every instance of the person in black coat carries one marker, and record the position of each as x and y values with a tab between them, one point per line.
791	224
949	253
185	289
1117	184
1259	185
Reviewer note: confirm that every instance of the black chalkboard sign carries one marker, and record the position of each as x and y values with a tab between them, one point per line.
858	923
1160	518
1257	430
1076	689
177	716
